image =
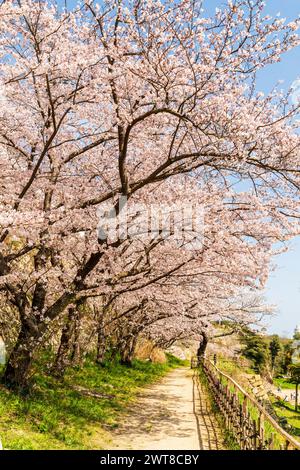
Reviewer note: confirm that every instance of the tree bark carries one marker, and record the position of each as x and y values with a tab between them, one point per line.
126	358
17	371
62	359
33	328
101	347
202	347
76	354
127	351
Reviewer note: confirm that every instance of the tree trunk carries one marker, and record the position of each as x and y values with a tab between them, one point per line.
101	340
133	346
17	371
127	351
296	398
63	354
202	347
75	356
101	347
126	358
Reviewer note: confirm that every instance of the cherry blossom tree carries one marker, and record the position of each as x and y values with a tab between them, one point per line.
127	99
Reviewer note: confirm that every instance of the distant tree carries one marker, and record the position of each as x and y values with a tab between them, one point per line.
296	335
295	379
274	348
286	357
255	350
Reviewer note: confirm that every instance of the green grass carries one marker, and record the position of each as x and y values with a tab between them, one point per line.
287	411
233	369
56	416
284	383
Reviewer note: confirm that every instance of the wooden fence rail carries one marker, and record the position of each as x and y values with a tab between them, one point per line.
246	418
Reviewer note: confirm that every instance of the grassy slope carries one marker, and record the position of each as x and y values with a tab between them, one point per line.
284	384
55	416
239	373
287	411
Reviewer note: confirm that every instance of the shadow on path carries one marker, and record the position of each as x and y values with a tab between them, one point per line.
173	414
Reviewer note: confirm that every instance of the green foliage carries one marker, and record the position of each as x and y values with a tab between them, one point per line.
57	415
295	373
275	348
296	336
267	353
284	383
255	349
174	361
285	358
295	379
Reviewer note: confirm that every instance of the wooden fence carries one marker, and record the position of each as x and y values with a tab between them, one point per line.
246	418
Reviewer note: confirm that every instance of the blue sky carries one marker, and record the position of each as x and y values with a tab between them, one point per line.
283	287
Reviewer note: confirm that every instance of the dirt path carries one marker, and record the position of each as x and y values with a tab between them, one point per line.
173	414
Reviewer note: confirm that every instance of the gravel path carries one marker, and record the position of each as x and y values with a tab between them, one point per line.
174	414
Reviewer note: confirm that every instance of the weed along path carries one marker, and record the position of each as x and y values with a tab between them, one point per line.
173	414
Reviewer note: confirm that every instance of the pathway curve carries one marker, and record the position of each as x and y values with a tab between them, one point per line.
173	414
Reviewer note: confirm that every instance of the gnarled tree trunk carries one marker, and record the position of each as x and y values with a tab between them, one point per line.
101	347
127	350
62	359
202	346
76	350
34	325
17	372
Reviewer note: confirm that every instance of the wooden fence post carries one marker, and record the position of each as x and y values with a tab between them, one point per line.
261	430
254	435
